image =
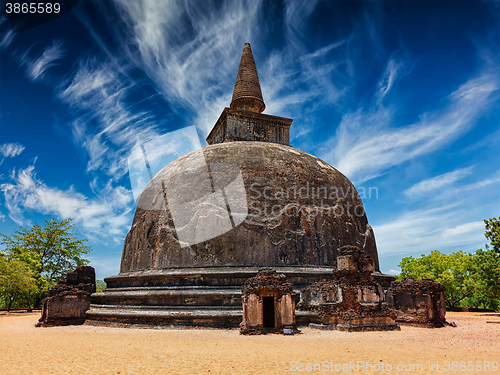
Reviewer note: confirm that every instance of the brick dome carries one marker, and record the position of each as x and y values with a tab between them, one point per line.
293	210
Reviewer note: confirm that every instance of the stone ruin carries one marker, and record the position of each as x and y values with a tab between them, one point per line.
69	299
233	222
418	302
352	300
268	304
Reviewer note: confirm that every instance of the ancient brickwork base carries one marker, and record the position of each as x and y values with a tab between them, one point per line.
69	299
418	302
352	300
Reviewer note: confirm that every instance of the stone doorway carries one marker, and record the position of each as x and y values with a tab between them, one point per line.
268	304
268	312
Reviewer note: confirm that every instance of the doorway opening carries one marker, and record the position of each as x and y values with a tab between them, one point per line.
268	312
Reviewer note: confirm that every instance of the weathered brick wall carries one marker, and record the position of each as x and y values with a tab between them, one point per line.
418	302
239	125
69	299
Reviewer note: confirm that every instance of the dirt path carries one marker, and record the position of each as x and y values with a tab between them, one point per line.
99	350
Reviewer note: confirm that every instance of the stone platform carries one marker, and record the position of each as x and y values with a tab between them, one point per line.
189	296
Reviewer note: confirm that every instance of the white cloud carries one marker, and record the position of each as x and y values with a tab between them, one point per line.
105	125
194	72
37	67
296	16
9	150
197	69
463	229
435	183
422	231
453	222
482	183
7	37
106	215
366	145
392	71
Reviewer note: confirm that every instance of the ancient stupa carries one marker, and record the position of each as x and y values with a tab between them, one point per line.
209	220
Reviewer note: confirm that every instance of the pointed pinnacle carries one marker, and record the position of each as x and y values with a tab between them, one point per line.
247	94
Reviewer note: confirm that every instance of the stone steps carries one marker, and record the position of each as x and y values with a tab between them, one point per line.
223	316
170	296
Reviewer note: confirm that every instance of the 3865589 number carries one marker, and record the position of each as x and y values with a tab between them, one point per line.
471	366
32	8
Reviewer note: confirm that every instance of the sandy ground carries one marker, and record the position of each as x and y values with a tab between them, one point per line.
99	350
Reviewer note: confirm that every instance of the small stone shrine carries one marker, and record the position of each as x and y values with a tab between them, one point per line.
352	300
268	304
418	302
69	299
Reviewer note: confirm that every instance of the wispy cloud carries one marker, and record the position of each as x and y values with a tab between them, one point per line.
104	216
424	230
10	150
432	184
37	67
191	69
297	14
482	183
454	222
190	54
394	69
8	36
463	230
368	142
105	125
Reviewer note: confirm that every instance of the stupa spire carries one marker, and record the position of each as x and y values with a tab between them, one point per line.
247	94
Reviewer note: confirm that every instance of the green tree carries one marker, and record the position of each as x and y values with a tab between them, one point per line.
16	280
493	233
100	285
486	278
471	280
49	252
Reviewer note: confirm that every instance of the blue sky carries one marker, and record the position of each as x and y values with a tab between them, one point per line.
400	96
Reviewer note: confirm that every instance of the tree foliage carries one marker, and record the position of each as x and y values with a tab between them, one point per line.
48	253
451	270
486	279
16	280
471	279
100	286
492	233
